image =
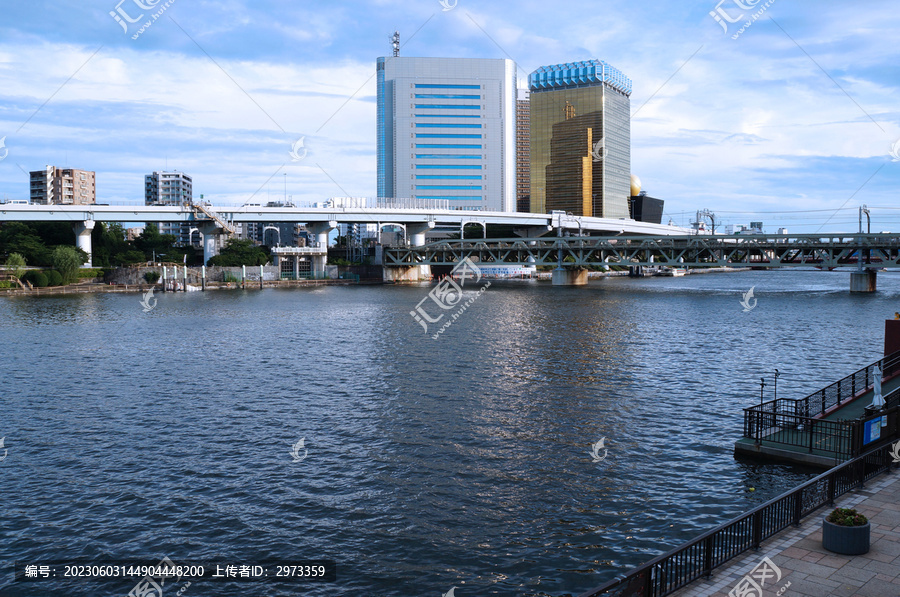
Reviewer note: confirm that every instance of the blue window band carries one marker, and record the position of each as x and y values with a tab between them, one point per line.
446	136
448	115
445	86
448	125
450	197
448	166
445	96
448	187
447	106
448	177
445	146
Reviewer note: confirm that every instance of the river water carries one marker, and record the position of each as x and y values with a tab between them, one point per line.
429	464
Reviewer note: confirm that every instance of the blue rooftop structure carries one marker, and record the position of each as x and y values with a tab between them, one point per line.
584	73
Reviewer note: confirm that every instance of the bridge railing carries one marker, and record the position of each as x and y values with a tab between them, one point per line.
796	423
834	438
838	439
697	558
821	401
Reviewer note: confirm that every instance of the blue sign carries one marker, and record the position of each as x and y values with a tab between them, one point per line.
872	431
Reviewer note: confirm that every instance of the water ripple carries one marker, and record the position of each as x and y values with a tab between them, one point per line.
462	461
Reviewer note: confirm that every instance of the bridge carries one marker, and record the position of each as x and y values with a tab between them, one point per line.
571	255
215	221
570	243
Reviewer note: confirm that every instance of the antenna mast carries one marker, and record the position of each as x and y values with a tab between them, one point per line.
395	43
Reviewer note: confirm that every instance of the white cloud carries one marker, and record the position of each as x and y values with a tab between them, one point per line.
744	123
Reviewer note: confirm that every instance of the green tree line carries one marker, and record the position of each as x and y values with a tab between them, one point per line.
36	243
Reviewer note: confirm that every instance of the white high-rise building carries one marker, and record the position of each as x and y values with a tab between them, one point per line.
170	188
446	130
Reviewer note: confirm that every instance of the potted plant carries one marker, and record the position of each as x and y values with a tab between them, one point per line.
846	531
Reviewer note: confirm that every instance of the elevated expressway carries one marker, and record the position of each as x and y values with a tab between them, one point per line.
214	221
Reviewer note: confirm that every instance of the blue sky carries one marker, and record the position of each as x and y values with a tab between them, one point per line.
797	114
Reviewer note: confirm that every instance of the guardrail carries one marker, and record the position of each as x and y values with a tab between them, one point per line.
697	558
794	422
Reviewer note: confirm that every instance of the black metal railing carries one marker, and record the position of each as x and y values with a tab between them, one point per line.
697	558
795	422
835	394
834	438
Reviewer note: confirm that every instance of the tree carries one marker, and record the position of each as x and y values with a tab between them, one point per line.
54	278
239	252
109	243
129	258
16	264
19	237
36	277
67	262
151	241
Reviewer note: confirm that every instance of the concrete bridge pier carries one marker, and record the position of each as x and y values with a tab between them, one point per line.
83	239
569	277
405	273
416	234
321	230
864	281
209	232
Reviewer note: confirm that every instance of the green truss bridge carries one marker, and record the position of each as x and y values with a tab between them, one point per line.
572	255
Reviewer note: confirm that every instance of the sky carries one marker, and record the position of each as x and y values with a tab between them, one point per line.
790	120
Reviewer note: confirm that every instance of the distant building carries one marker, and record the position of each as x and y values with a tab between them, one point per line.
63	186
170	188
580	139
273	234
446	130
523	151
132	233
647	209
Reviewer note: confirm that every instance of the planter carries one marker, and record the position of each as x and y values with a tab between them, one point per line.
850	541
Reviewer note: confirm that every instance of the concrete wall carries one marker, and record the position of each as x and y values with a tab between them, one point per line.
135	275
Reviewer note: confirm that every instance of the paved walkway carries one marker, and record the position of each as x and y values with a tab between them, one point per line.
814	572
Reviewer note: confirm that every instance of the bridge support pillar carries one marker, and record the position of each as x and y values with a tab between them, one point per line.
569	277
416	234
863	281
83	239
405	274
210	246
321	230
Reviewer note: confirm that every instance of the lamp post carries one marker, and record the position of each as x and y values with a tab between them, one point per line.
776	383
759	416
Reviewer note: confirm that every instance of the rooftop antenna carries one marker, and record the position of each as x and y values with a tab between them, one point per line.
395	43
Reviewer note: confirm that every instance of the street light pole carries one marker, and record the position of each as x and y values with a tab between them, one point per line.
759	415
776	383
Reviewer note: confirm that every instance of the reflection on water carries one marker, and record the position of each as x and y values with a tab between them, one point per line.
457	462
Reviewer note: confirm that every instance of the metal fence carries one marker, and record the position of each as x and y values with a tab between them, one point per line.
697	558
828	397
794	423
411	203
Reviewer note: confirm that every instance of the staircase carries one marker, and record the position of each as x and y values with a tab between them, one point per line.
207	210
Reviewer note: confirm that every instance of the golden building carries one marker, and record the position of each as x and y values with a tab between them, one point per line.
580	140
